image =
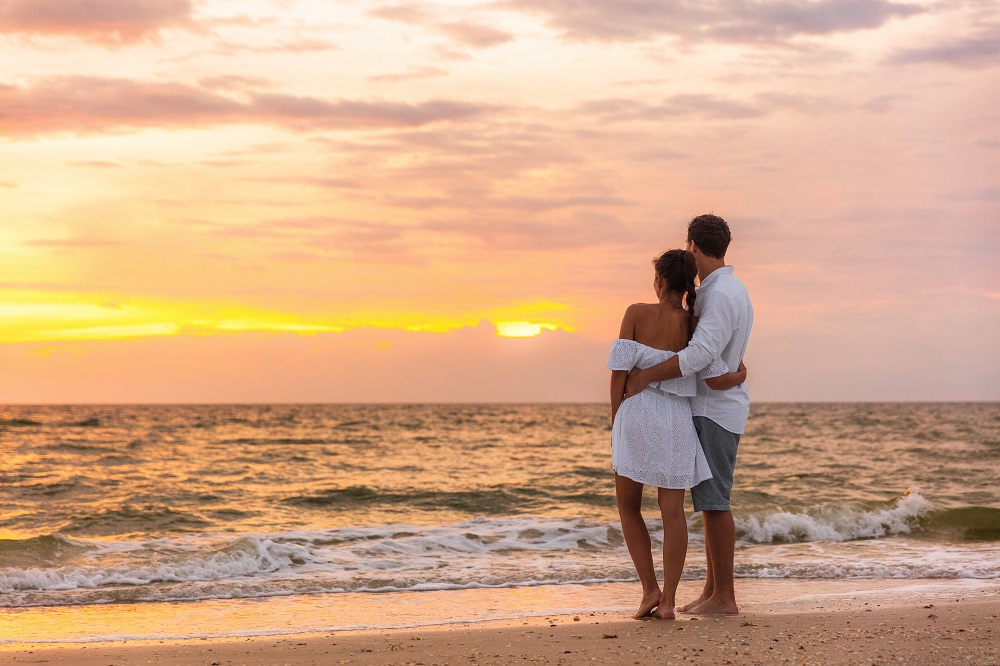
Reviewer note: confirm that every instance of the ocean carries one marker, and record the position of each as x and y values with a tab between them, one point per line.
130	505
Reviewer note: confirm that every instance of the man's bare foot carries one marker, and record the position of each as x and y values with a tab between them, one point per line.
715	606
649	602
686	608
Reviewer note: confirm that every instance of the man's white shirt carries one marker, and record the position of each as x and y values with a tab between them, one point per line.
725	316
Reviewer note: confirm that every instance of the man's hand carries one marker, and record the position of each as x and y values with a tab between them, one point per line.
635	382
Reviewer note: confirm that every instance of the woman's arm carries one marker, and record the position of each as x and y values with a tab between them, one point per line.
728	380
617	391
626	332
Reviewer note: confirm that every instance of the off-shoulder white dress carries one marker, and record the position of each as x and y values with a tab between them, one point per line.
653	440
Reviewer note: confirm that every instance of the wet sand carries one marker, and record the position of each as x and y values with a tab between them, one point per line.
878	625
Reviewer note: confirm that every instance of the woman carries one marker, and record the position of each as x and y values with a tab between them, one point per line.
653	437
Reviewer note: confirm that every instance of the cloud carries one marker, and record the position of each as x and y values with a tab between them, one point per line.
475	36
294	47
409	75
976	194
72	243
884	103
44	286
700	106
521	204
358	115
96	164
513	223
312	181
468	34
499	231
369	365
711	20
110	21
982	50
235	82
312	238
92	104
704	107
404	14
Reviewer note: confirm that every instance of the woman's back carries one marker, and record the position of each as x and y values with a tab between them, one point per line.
659	325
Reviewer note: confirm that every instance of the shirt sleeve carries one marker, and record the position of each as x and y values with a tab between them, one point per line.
715	328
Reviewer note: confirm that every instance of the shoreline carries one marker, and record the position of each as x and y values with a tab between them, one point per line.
827	618
912	632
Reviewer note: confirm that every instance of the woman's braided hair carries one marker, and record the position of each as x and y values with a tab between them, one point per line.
678	269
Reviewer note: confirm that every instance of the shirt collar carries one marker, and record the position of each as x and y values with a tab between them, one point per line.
725	270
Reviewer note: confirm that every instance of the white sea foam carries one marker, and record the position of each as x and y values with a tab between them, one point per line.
842	542
835	523
158	563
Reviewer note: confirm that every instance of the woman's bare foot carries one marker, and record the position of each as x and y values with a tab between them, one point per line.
664	612
649	602
715	607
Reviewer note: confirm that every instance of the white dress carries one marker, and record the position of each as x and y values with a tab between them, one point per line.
653	440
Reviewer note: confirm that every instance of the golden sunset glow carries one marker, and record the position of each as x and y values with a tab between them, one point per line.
522	329
331	183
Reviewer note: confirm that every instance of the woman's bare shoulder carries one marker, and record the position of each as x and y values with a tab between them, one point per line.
642	312
641	308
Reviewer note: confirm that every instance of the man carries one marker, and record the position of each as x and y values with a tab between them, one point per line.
725	317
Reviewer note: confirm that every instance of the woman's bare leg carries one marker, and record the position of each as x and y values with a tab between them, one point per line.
675	544
628	494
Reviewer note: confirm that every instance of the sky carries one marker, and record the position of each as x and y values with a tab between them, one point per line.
339	201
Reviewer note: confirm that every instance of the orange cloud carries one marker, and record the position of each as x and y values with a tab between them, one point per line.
409	75
470	364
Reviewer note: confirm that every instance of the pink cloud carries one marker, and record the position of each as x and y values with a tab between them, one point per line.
980	50
99	20
762	22
474	35
93	104
469	34
356	114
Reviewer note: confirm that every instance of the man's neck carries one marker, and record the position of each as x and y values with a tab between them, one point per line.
709	265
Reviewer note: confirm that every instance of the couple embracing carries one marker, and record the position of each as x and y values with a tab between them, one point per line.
678	407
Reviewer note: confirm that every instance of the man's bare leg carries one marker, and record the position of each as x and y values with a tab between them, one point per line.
706	591
628	494
675	543
720	538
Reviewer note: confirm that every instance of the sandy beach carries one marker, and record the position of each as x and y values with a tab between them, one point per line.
880	623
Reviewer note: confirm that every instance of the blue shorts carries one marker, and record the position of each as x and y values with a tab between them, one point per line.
720	448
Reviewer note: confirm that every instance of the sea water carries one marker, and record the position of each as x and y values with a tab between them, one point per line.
127	505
